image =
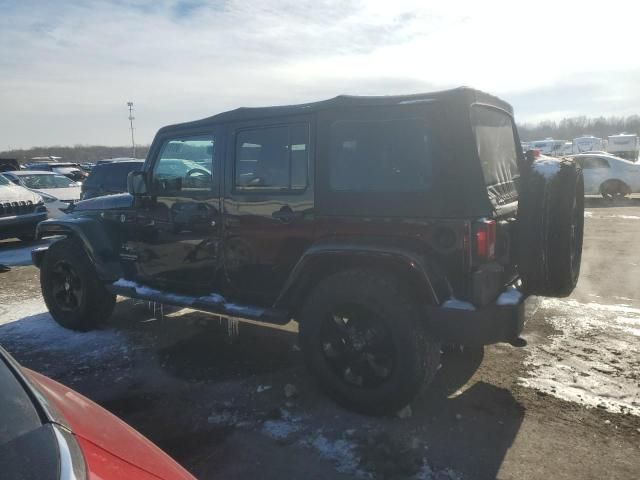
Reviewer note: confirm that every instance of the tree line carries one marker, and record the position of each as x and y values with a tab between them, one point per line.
76	153
570	128
565	129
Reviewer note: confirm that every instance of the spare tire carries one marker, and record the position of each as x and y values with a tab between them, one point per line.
551	226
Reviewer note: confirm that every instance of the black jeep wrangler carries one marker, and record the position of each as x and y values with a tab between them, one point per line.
385	226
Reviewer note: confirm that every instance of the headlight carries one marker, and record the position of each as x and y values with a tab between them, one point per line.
48	198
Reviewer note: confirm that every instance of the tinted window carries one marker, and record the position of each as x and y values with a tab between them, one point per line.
116	175
273	158
379	156
497	149
185	164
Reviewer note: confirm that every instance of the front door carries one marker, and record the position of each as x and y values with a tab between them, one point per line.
268	205
178	226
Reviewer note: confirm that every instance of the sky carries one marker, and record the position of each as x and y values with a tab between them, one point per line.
68	67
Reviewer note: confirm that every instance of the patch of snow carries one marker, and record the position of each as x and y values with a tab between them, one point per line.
458	304
29	327
341	452
279	429
511	296
263	388
548	168
588	214
594	360
628	217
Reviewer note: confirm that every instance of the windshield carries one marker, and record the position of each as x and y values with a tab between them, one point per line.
4	180
47	181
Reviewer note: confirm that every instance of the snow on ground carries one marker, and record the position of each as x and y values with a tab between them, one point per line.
27	326
594	359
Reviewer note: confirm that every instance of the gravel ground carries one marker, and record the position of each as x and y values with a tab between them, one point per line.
237	403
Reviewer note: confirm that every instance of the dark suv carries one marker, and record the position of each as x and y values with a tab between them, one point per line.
385	226
109	177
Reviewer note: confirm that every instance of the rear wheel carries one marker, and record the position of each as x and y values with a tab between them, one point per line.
614	190
364	340
72	291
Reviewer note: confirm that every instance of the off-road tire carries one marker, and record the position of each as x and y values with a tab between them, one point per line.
551	227
566	231
95	302
416	356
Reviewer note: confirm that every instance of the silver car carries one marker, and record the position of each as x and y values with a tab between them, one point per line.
609	176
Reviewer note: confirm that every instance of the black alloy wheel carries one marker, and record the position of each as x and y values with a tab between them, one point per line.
357	346
67	286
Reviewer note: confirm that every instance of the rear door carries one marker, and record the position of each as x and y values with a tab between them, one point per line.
178	227
268	204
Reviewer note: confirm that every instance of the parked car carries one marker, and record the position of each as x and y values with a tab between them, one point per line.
20	211
57	191
108	178
612	177
70	170
7	164
50	432
385	226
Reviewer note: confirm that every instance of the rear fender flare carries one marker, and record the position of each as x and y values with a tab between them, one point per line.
322	260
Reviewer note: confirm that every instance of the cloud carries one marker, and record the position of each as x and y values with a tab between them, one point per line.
68	67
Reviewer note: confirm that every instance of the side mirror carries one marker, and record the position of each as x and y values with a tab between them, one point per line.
137	183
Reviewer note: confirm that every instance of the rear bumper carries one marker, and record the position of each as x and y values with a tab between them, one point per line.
462	323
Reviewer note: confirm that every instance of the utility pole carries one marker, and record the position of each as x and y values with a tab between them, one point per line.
131	118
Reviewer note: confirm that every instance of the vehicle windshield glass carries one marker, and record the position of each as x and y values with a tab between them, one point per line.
497	150
47	181
4	180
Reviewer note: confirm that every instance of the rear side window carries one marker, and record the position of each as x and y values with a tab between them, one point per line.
380	156
272	158
497	149
588	163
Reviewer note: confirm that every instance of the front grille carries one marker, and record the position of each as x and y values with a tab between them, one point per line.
11	209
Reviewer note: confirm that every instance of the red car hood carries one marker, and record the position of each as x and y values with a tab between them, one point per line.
95	425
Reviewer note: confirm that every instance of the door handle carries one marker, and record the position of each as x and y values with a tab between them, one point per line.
285	214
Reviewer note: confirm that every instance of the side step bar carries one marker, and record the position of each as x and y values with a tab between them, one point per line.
212	303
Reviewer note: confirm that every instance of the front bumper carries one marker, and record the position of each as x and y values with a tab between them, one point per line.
468	325
21	223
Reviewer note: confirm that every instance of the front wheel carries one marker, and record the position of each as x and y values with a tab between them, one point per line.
72	291
364	340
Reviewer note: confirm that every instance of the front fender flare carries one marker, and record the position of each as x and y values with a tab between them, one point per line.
99	243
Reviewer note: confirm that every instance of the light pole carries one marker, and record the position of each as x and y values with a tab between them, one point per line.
131	118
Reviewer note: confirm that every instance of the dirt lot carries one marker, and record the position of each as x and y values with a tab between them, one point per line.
567	406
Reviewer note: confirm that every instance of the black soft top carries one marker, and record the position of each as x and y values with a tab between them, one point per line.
460	95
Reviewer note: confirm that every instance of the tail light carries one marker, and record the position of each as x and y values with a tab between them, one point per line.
485	236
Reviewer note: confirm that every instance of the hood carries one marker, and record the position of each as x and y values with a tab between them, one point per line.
16	193
91	422
107	202
68	193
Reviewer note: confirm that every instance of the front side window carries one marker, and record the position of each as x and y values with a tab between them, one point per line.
272	158
185	164
380	156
